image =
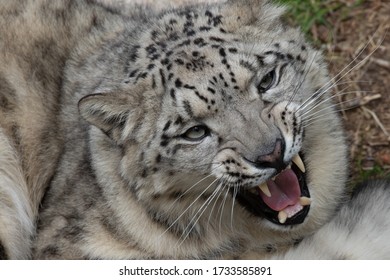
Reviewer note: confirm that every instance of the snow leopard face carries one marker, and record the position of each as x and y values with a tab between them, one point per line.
225	105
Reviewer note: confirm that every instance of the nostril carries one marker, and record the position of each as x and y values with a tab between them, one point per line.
273	159
274	155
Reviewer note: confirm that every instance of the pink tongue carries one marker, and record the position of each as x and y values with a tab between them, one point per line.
284	190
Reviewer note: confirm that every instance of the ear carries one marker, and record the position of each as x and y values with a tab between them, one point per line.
110	112
239	13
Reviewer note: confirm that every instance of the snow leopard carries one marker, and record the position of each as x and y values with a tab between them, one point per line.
201	132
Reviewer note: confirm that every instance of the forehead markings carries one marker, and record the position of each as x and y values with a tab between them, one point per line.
212	88
209	101
170	33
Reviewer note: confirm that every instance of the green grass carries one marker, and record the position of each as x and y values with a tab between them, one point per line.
307	13
360	174
377	171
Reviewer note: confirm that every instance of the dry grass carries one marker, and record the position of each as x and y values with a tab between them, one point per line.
366	29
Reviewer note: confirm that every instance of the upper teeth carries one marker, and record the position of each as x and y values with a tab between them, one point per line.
298	162
264	188
304	200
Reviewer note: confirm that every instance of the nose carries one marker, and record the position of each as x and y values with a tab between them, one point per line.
273	159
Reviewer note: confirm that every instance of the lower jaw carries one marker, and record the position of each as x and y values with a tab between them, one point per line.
257	208
255	205
297	219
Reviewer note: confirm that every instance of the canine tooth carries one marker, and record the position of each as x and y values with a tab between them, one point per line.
304	200
273	178
264	188
289	166
282	216
298	161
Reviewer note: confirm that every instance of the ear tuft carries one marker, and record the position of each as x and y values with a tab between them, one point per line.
107	111
240	13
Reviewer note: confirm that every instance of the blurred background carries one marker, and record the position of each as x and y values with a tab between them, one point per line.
345	30
353	33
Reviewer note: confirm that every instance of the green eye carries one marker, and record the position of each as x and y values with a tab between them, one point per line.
267	82
196	133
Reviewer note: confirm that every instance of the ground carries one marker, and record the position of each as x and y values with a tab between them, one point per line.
345	30
368	123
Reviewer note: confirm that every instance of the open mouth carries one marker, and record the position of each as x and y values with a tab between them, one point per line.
283	200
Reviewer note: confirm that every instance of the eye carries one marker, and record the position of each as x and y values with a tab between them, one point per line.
267	82
196	133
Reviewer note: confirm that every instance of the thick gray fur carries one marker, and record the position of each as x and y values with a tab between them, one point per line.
97	156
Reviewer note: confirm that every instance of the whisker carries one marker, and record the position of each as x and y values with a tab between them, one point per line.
219	191
317	99
222	209
341	75
348	83
194	185
320	117
233	201
197	215
331	97
302	79
181	215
